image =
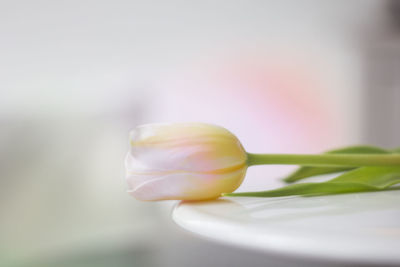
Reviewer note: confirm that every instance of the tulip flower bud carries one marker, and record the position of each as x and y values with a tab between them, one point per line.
184	161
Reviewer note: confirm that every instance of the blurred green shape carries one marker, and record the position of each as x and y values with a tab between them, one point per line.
308	171
359	180
124	257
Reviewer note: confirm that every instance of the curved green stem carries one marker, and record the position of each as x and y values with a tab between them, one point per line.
354	160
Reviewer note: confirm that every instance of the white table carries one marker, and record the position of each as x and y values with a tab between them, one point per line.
349	228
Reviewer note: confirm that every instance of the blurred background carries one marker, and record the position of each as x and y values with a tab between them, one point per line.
75	76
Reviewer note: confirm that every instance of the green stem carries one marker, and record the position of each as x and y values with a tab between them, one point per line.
353	160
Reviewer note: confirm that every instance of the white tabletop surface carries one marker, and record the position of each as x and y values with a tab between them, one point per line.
363	227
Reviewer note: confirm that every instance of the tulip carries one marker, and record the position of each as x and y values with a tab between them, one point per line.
186	161
197	161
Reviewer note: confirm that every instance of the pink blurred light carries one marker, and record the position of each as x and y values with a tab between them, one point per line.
272	107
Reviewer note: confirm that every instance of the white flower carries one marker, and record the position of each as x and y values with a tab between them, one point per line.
185	161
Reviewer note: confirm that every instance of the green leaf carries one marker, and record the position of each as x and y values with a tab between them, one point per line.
378	177
306	189
359	180
308	171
